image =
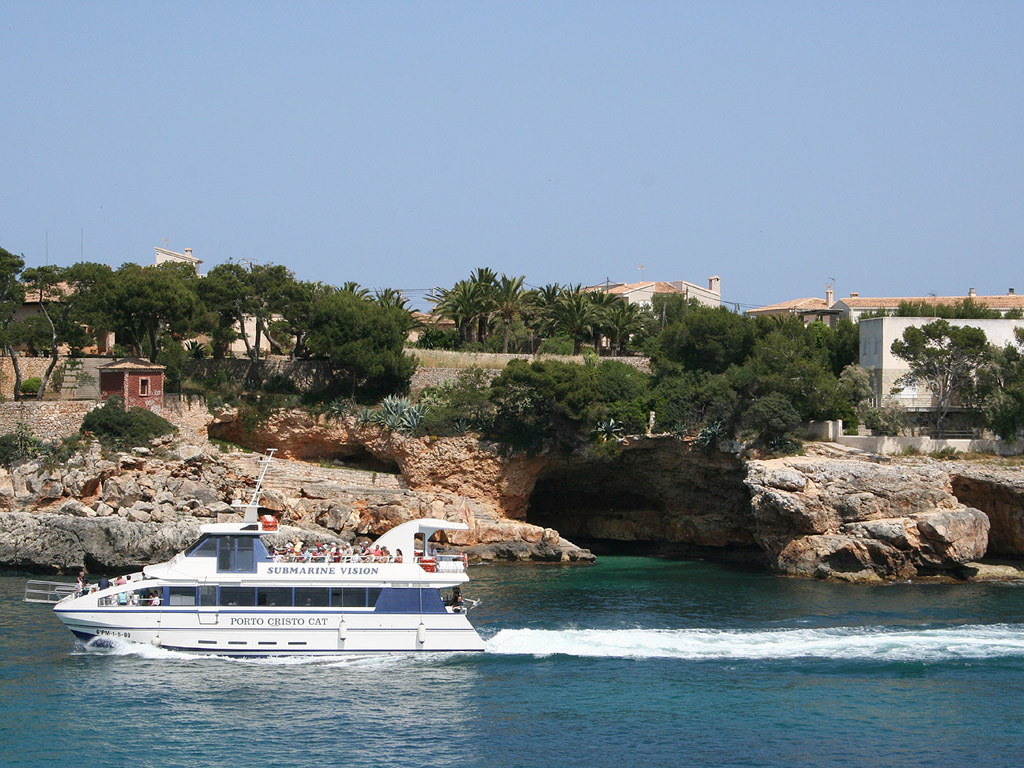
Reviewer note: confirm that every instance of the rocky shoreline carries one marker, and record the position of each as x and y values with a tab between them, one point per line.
833	514
114	514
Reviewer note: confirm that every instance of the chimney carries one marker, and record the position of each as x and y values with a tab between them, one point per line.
1012	292
854	294
188	251
970	293
715	284
830	296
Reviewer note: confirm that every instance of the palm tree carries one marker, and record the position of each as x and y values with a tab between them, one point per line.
389	298
623	322
462	303
485	279
509	302
603	304
355	289
542	302
575	314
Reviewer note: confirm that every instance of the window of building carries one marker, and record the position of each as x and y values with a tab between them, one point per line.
143	387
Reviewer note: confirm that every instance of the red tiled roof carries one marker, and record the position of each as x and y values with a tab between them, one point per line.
132	364
1005	301
617	290
813	304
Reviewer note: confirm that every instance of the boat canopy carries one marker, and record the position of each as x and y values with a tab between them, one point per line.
403	536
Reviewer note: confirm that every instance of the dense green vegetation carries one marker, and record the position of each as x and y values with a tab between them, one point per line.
713	374
112	425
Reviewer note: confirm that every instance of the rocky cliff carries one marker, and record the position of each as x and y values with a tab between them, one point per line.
114	513
858	520
835	514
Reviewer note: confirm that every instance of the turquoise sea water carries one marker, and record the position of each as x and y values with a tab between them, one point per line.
631	661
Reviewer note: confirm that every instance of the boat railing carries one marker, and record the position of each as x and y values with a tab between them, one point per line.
51	592
440	563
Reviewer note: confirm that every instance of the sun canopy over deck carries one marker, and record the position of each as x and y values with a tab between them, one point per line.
403	536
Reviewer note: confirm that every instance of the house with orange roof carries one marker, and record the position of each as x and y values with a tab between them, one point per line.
643	293
856	305
877	335
809	310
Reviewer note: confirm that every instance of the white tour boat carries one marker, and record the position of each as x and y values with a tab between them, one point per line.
229	594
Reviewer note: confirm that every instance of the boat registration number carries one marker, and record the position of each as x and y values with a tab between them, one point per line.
114	633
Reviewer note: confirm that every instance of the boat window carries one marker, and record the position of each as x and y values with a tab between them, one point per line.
205	547
239	553
181	596
226	553
318	597
238	595
208	594
353	597
394	600
274	596
246	556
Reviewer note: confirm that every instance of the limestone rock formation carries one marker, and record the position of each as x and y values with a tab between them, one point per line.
857	520
141	507
999	493
826	515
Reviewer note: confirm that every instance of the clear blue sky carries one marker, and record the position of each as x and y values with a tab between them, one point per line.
404	144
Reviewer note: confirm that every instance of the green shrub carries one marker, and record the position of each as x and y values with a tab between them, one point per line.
31	385
556	345
436	338
19	445
113	425
771	420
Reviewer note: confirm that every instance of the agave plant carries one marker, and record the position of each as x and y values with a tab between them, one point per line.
609	429
710	435
365	416
411	418
196	349
338	409
462	425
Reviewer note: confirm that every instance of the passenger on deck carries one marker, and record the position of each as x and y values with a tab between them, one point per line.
83	582
456	600
398	555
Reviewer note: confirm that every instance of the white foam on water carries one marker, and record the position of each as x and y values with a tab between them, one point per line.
117	647
853	643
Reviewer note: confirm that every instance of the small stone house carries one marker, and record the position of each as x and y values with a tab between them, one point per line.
140	383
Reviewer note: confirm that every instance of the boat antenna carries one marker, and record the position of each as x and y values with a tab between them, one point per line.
265	461
254	503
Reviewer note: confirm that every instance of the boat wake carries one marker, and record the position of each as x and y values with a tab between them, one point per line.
115	647
850	643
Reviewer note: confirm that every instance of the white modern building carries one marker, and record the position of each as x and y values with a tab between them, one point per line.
885	369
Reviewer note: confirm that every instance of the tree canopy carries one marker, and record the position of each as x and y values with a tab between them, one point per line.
946	359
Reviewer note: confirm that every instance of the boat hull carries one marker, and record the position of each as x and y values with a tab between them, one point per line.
273	633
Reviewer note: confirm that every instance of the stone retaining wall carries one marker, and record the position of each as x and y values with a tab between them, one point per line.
48	419
57	419
29	367
891	445
434	377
